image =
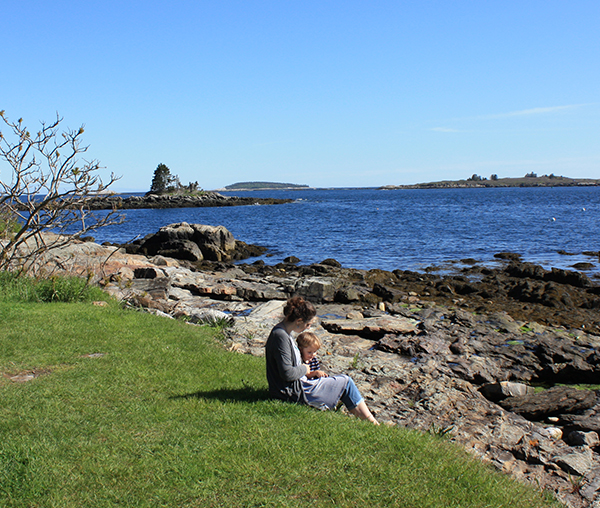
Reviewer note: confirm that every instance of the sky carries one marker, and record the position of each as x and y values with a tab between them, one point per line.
323	93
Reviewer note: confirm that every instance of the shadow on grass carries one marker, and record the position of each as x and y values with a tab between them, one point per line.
234	395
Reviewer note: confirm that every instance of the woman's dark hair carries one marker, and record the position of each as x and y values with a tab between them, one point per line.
298	308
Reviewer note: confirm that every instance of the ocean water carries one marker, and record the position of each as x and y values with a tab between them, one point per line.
405	229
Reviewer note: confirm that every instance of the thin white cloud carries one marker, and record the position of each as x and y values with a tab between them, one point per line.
512	114
535	111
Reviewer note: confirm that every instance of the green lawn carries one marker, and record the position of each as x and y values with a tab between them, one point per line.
165	417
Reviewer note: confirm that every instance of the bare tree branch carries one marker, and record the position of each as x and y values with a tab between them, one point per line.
45	192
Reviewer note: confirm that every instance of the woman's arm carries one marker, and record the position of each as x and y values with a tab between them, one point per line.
316	373
281	353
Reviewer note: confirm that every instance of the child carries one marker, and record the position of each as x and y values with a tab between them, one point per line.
309	344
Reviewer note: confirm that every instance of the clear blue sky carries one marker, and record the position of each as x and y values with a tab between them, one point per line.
325	93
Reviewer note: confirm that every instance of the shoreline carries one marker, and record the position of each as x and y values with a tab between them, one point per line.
433	353
149	201
526	182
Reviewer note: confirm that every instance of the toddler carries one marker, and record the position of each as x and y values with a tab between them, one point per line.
309	344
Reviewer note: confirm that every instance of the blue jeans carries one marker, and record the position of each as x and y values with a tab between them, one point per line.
351	396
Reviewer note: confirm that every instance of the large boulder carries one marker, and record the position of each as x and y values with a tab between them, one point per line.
192	242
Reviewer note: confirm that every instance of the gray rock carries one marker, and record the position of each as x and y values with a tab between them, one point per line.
371	328
579	438
192	242
576	461
316	289
556	400
498	391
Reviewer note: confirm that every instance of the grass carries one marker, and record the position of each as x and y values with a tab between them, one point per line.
52	289
134	410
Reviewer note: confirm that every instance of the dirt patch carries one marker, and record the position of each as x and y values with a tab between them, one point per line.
26	375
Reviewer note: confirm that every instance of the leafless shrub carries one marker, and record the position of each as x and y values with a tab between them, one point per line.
45	192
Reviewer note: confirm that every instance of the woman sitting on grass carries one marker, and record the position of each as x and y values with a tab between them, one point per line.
287	374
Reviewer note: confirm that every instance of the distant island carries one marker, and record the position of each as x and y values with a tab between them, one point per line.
529	180
246	186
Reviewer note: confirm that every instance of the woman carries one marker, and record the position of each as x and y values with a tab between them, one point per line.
286	374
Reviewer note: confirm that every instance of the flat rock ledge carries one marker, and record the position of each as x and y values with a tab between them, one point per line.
427	352
177	201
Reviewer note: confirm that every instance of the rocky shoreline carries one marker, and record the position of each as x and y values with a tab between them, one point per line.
176	201
527	181
457	355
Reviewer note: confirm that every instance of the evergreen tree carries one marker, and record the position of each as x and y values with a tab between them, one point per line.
162	179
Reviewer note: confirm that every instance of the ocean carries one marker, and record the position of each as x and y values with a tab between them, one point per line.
407	229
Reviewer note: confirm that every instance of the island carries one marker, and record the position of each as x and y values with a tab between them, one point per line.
249	186
176	200
476	181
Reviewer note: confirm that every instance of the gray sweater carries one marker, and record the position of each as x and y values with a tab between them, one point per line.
286	375
284	371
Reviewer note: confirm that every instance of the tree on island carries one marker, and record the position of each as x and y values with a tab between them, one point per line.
164	182
476	178
47	190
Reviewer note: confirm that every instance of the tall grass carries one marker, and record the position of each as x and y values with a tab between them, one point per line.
133	410
56	288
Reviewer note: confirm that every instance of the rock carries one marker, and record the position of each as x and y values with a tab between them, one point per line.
179	249
575	461
578	438
147	272
206	199
475	369
584	266
371	328
585	423
553	433
192	242
317	289
569	277
556	400
179	294
157	289
124	273
349	294
354	315
525	271
416	345
513	256
567	361
499	391
503	322
388	294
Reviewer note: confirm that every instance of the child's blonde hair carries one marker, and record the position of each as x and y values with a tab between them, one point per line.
307	339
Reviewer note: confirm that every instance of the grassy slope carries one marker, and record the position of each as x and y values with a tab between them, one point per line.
168	418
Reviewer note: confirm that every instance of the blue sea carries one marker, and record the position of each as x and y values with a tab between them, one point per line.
401	229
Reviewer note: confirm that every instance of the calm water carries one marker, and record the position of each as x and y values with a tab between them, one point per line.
406	229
